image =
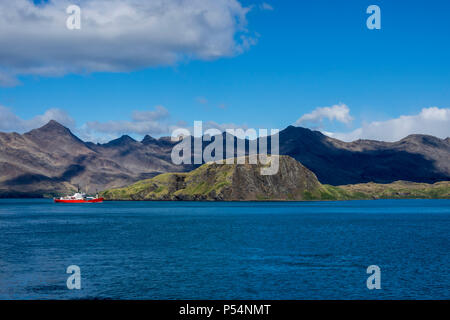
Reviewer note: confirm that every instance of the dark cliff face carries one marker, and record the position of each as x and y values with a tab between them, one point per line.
53	160
290	182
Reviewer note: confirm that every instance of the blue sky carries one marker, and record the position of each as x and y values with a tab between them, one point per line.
307	54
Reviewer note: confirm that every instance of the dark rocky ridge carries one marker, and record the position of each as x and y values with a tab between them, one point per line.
418	158
51	160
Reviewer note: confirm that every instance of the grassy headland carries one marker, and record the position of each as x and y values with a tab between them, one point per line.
243	182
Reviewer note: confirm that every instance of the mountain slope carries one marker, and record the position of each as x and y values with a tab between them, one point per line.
243	182
51	160
417	158
397	190
227	182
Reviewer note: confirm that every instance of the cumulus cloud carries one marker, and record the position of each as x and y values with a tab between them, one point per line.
207	125
159	113
142	122
156	122
10	122
432	121
117	35
339	112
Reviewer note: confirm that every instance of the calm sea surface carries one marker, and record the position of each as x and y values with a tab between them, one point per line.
179	250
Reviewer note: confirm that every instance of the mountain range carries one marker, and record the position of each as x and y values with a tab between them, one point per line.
51	160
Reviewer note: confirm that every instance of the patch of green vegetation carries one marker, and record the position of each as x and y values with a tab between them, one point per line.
307	195
398	190
200	183
260	197
222	184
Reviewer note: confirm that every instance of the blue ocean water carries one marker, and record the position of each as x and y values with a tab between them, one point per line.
201	250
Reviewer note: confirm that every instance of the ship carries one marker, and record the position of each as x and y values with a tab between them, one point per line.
79	197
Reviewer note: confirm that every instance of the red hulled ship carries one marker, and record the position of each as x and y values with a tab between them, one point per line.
78	198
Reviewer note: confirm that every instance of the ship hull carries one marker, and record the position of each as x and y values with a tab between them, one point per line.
98	200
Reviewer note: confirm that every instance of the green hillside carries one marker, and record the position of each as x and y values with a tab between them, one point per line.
243	182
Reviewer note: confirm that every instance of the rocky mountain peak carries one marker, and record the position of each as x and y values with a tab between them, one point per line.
122	141
148	140
56	135
52	127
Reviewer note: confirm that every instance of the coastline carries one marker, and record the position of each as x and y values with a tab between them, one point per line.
399	190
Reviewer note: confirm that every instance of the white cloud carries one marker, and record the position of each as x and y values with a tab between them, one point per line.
159	113
206	125
155	122
117	35
10	122
339	112
126	127
265	6
142	123
432	121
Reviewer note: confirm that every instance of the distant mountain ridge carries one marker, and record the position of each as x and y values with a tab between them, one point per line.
417	158
51	160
